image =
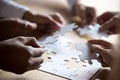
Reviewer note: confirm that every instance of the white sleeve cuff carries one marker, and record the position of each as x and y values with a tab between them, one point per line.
9	8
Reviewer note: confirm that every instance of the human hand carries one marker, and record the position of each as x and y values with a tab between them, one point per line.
45	23
13	27
109	21
86	14
114	75
109	55
20	54
104	49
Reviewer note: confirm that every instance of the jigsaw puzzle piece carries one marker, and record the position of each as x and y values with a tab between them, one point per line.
85	53
95	33
83	31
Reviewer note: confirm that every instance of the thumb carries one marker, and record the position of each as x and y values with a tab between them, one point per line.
108	24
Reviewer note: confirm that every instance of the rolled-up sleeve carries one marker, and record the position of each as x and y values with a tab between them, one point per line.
9	8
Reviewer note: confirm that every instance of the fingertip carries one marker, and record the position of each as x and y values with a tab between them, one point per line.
103	27
43	50
100	29
91	41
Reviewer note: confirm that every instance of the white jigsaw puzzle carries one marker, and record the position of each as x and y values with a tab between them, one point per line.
84	52
61	46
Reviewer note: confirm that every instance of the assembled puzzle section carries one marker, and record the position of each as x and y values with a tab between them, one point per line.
59	63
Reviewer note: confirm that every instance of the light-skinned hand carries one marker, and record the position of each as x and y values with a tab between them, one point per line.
20	54
45	23
109	21
86	14
13	27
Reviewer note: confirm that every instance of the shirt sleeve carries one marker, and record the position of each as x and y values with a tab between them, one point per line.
9	8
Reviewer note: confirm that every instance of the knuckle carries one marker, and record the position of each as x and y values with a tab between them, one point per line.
29	51
41	61
108	12
116	17
33	39
30	61
21	38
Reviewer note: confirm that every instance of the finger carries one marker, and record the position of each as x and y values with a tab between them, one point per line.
34	63
35	52
105	26
100	58
58	18
105	17
101	51
29	41
32	42
90	15
53	23
25	25
103	43
80	11
104	64
30	26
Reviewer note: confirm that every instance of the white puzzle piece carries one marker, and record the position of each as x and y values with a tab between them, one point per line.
95	33
84	52
67	28
83	31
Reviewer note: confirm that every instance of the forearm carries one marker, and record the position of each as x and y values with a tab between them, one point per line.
9	8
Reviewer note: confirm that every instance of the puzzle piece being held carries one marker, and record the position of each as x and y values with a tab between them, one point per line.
95	33
84	53
92	31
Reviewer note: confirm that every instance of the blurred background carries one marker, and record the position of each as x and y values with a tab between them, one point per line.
100	5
